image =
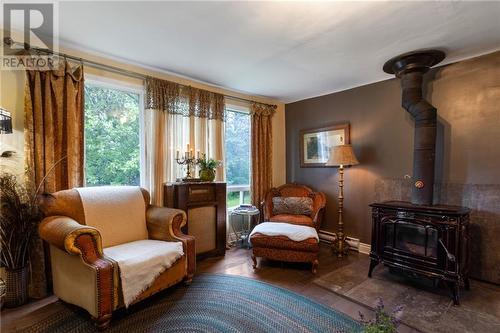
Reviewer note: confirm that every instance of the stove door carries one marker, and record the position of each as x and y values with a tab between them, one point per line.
416	239
410	240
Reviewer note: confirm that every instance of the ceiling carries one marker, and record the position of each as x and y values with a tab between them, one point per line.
284	50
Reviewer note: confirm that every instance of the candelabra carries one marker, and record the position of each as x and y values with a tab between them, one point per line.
189	160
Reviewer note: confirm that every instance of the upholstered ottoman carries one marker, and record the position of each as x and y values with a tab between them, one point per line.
285	242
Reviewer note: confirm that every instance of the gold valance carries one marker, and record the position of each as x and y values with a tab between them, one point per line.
261	109
188	101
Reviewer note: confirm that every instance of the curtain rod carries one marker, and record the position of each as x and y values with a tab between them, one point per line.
9	41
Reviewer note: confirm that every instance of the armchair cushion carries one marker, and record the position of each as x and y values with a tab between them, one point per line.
287	191
295	219
292	205
141	262
118	212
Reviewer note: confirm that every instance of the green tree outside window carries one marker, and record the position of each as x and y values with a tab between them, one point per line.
112	146
237	154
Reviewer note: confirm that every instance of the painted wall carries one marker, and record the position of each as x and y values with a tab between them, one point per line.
279	146
467	96
12	98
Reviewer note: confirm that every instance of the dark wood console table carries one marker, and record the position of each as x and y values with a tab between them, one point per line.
205	206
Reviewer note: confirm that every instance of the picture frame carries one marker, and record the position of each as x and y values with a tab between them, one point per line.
315	144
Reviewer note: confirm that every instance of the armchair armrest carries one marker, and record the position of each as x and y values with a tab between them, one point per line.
262	216
319	200
267	205
65	233
318	217
165	224
76	239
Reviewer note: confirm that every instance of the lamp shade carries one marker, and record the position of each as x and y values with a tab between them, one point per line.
5	121
342	155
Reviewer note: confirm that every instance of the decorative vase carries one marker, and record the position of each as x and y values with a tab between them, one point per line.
16	287
207	175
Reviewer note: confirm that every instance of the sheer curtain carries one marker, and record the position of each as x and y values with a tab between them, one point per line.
176	116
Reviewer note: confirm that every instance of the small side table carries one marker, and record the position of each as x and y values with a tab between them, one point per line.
245	233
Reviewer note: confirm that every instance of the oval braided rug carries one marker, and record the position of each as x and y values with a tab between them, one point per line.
212	303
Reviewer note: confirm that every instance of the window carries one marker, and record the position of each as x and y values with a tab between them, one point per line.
237	147
112	134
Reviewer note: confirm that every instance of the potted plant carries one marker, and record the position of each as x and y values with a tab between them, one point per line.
383	322
207	168
19	220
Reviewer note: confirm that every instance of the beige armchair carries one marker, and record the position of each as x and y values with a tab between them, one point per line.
83	275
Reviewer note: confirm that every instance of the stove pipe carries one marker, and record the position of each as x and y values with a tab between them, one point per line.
410	68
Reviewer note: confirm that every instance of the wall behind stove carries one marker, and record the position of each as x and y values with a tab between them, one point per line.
467	96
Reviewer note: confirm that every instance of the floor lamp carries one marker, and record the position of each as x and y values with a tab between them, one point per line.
341	156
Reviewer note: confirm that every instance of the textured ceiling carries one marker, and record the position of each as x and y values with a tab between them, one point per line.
288	51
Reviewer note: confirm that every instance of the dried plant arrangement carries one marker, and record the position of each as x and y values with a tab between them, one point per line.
19	219
18	222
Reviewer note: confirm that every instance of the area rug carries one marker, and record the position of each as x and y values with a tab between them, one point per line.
426	308
212	303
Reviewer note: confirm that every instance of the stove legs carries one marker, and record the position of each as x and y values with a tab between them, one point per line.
467	283
455	290
373	263
454	286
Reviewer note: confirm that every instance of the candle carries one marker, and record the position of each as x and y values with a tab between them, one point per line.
177	154
191	154
198	154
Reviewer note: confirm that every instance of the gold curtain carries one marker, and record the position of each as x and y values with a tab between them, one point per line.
262	150
175	117
53	127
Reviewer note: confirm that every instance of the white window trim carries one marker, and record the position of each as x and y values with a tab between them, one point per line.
237	106
103	82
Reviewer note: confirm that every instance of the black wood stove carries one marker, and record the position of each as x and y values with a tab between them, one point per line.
432	241
418	237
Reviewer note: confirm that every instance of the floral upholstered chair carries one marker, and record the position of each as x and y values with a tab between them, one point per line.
110	248
292	218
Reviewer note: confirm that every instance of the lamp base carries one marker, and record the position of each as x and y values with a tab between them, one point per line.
340	247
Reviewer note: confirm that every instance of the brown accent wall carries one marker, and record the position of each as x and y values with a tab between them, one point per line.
467	96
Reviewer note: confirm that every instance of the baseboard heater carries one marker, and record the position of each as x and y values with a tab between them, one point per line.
354	243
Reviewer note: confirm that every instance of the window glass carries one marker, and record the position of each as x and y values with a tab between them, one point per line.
112	131
237	157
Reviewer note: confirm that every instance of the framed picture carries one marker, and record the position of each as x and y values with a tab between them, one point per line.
315	144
